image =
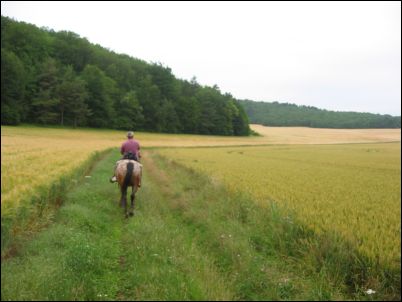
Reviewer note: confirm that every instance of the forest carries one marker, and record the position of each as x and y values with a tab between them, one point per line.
285	114
59	78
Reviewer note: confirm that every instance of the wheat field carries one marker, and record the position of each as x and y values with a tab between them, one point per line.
351	189
30	159
305	135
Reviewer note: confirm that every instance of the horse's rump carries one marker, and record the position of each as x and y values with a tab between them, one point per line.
122	172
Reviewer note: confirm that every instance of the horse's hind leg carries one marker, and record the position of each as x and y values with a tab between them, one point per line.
132	197
124	201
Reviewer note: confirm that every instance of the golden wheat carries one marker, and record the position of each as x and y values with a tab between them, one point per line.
32	160
353	190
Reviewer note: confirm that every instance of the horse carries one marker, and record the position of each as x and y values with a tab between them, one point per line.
128	174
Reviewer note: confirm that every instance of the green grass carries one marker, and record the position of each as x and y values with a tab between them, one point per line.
190	239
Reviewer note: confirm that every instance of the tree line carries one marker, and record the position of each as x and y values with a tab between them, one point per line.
50	77
285	114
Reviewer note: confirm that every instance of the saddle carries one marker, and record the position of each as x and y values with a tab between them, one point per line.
130	155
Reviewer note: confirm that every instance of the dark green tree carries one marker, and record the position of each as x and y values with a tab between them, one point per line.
101	92
72	95
72	50
45	102
129	112
13	83
240	121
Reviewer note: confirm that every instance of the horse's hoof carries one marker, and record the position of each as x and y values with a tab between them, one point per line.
126	215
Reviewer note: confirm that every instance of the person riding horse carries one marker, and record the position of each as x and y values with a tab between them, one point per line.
130	149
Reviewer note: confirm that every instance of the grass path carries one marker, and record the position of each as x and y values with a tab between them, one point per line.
189	240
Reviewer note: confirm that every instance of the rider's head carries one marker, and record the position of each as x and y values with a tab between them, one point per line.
130	134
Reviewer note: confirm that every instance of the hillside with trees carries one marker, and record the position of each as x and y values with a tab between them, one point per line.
51	78
284	114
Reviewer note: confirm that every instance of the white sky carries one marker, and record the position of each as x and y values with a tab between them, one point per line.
333	55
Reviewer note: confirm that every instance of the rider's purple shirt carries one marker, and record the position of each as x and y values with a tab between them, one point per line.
130	145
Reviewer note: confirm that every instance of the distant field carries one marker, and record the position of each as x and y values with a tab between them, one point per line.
304	135
353	189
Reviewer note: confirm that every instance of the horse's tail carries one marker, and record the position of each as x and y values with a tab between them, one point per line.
129	175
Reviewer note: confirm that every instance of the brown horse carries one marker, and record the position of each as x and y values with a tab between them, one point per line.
128	174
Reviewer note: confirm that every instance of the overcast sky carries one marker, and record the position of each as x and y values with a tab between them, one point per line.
342	56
